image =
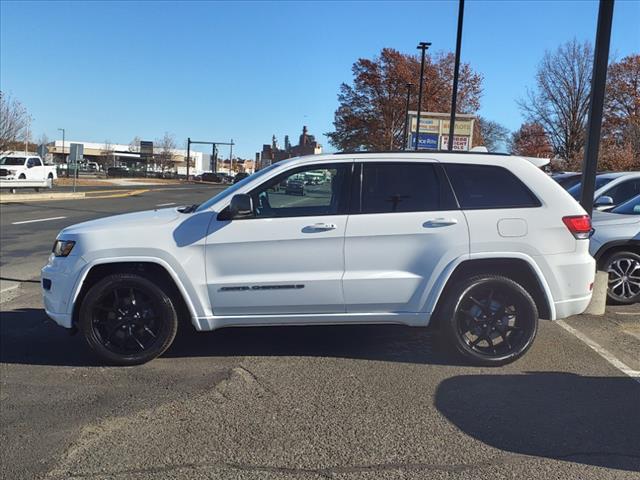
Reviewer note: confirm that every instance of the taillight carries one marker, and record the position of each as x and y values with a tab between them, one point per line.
578	225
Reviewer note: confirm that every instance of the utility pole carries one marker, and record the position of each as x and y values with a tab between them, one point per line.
406	117
456	72
63	159
231	156
188	155
423	46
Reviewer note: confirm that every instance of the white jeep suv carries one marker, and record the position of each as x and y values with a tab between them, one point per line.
478	245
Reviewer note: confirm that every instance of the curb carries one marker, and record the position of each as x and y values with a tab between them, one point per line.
35	197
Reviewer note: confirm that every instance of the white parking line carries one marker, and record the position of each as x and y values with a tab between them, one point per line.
38	220
165	204
624	368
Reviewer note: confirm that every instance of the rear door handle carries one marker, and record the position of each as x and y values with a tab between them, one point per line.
440	222
320	227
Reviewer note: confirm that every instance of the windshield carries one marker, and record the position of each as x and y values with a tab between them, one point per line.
576	190
630	207
235	187
12	161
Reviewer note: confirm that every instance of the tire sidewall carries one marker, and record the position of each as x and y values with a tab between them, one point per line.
168	315
455	297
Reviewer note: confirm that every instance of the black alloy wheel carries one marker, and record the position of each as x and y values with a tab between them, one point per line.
491	320
624	277
127	319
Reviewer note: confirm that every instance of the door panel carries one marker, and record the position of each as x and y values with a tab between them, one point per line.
407	229
390	258
288	258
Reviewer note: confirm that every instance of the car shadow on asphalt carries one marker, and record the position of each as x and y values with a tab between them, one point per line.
563	416
27	336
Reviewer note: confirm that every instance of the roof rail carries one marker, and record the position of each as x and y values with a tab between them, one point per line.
351	152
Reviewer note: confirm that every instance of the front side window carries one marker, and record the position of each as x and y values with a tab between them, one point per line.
630	207
488	186
304	191
403	187
624	191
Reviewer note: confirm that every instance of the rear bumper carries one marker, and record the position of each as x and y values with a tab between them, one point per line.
575	306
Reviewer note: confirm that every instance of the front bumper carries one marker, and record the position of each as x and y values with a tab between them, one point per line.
61	275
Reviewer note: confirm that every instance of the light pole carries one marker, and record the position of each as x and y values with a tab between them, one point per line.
63	158
423	46
456	71
406	117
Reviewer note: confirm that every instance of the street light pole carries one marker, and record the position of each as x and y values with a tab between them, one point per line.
231	156
423	46
406	117
63	159
456	72
188	155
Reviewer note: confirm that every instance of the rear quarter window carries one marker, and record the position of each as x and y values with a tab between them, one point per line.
488	186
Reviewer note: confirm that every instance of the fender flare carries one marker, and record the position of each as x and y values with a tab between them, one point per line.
132	259
438	287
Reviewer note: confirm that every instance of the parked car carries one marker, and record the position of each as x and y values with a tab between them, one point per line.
567	179
611	189
211	177
294	187
615	245
240	176
26	167
420	239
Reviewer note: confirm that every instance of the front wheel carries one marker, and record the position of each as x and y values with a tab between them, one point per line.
127	319
490	320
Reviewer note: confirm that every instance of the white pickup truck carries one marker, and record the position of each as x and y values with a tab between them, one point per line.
25	167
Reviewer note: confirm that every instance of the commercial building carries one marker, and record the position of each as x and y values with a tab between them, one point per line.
434	131
129	157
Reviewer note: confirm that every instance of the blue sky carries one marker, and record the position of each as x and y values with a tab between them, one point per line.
247	70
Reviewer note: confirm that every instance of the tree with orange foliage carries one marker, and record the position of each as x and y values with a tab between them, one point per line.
371	114
530	140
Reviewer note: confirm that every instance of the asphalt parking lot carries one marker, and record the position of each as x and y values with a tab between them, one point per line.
351	402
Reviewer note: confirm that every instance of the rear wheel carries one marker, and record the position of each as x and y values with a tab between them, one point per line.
127	319
490	320
624	277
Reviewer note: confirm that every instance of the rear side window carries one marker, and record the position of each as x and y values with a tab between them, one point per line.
488	186
404	187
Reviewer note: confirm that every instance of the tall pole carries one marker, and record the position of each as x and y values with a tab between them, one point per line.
423	46
456	72
405	140
214	160
596	101
188	155
63	159
231	156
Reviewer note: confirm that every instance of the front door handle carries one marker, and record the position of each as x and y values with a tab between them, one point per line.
320	227
440	222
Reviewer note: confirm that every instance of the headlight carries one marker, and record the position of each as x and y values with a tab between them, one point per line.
62	248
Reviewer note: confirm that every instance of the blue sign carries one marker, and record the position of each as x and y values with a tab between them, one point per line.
427	141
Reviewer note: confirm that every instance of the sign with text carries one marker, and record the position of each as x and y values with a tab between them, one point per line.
462	127
459	142
427	141
427	125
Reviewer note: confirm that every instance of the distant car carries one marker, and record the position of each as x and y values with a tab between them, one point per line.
211	177
615	245
240	176
567	179
611	189
294	187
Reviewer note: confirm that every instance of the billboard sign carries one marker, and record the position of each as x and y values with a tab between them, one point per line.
459	142
427	141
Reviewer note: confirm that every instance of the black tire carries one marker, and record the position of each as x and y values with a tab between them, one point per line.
130	328
490	320
22	177
624	277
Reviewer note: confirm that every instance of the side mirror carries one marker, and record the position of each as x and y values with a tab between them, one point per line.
603	201
241	206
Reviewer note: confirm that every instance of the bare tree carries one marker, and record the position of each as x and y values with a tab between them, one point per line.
166	146
134	144
14	121
107	159
490	134
560	100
